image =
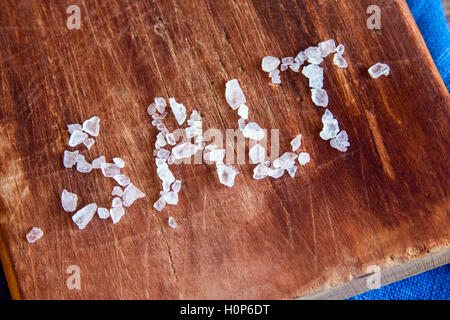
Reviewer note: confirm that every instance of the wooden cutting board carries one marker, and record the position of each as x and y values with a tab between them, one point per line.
384	202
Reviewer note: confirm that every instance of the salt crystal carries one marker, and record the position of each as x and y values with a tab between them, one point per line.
172	223
160	162
178	110
70	158
313	52
340	61
327	47
96	163
109	170
34	235
340	49
69	201
165	174
116	202
171	198
287	160
122	179
82	165
116	214
257	154
274	73
103	213
261	171
166	185
159	204
163	154
241	124
233	94
330	129
92	126
89	142
210	147
193	132
295	67
296	143
379	70
171	139
301	57
176	186
161	127
314	55
253	131
117	191
312	71
171	159
340	142
119	162
276	80
316	83
243	111
83	216
227	174
215	155
77	137
195	116
319	97
151	109
327	116
284	67
270	63
184	150
291	171
304	158
72	127
160	104
287	60
315	61
276	173
130	194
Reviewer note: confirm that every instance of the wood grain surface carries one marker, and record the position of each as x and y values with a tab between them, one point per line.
384	202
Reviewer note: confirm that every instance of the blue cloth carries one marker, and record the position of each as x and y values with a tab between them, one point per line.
431	20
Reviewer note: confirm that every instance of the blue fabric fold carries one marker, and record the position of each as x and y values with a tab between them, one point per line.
432	22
